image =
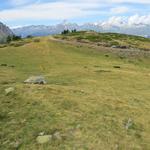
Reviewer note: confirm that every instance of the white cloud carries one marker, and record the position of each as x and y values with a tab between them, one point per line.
70	9
119	10
127	21
130	1
114	21
136	19
53	10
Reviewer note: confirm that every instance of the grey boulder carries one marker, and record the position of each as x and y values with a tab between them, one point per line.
44	139
35	80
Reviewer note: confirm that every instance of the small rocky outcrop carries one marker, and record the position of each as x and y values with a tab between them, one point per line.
41	139
44	139
35	80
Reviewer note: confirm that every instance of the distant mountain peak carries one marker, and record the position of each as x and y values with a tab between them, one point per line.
118	25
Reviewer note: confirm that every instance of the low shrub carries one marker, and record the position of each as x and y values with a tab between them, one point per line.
37	40
3	45
17	44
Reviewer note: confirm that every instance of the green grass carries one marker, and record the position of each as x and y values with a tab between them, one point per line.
86	99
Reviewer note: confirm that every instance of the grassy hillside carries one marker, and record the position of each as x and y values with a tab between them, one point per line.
94	100
109	39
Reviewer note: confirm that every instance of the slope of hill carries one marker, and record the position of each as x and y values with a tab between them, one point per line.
4	32
113	40
93	99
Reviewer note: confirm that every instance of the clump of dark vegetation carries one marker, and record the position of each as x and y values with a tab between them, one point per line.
16	41
13	38
4	65
65	32
37	40
3	45
29	36
17	44
106	55
68	31
118	67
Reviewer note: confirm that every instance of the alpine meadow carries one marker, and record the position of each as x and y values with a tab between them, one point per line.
74	86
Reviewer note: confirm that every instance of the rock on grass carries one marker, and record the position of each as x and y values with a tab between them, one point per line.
35	80
9	90
44	139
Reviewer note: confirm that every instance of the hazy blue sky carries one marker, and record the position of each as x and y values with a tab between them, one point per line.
27	12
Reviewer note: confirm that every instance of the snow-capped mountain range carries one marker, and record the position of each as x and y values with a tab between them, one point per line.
140	29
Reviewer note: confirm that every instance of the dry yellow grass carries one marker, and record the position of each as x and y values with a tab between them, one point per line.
86	99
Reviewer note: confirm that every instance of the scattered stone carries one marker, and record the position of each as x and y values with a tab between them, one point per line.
117	146
9	90
35	80
57	136
70	133
23	121
44	139
41	133
114	46
123	47
82	91
119	46
78	126
128	124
